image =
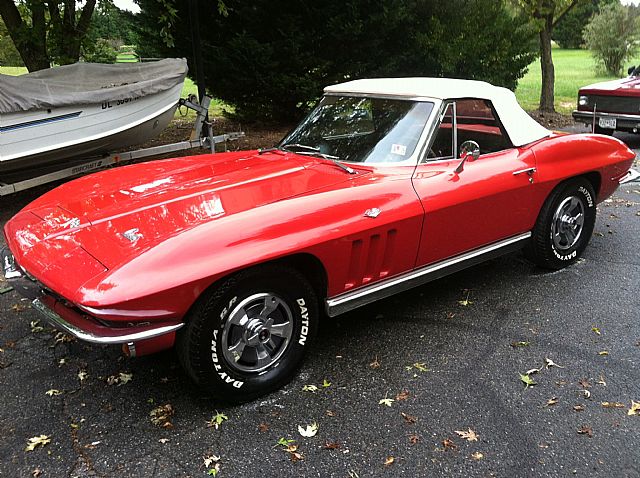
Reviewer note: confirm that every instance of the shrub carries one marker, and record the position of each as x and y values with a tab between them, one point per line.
610	35
103	51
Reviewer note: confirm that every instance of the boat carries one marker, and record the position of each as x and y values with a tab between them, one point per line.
85	109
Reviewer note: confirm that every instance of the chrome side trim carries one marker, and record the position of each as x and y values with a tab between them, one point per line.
632	175
121	338
347	301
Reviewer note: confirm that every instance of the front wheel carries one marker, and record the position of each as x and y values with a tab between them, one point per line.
248	336
564	226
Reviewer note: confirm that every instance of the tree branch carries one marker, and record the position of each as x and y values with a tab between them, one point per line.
565	11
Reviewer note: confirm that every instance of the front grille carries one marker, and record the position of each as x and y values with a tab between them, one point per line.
613	104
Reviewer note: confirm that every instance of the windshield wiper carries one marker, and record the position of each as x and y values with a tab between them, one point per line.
313	151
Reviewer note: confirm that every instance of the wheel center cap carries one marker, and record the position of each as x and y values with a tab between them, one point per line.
264	335
256	333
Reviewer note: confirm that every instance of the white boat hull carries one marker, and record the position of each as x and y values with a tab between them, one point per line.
34	138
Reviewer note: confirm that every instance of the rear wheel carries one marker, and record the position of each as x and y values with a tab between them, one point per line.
564	226
248	336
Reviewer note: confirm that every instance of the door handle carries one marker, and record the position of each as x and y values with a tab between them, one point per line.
529	171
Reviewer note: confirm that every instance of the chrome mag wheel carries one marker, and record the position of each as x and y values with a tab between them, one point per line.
257	333
567	223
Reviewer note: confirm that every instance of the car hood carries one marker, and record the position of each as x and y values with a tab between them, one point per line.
121	213
629	86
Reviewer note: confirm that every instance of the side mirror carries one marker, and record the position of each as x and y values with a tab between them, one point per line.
469	151
630	70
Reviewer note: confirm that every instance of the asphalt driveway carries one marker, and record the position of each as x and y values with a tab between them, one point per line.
427	383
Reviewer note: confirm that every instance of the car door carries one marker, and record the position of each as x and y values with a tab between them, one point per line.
492	198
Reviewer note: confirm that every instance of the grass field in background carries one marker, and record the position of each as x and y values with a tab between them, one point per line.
573	69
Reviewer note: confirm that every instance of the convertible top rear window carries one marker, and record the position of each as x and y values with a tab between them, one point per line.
363	130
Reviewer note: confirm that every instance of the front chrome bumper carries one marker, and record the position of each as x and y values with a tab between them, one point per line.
81	326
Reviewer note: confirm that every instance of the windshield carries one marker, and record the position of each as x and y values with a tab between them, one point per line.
362	130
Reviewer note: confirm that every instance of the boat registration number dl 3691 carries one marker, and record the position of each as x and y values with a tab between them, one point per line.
111	104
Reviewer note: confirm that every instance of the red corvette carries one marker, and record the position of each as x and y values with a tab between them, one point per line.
611	105
233	257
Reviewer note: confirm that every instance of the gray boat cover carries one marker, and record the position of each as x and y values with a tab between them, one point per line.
88	83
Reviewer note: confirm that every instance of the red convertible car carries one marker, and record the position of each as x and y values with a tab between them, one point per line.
611	105
233	257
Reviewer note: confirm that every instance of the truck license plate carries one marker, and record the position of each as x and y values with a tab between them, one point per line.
609	123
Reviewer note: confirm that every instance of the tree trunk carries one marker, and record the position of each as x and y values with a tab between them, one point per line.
546	64
30	42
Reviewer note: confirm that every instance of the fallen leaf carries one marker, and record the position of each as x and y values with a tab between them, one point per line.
469	435
309	430
601	381
92	445
332	445
285	442
578	408
551	402
420	366
212	460
389	461
519	344
386	401
34	442
414	439
119	379
603	352
53	392
164	440
635	408
326	383
62	338
409	418
449	444
585	430
310	388
477	456
596	330
20	308
35	324
375	363
37	472
612	405
402	395
550	363
330	413
528	381
584	383
263	427
531	371
217	420
161	415
82	375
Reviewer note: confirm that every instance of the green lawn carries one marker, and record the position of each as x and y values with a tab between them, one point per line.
573	68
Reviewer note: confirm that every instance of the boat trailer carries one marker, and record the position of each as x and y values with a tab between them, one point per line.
201	137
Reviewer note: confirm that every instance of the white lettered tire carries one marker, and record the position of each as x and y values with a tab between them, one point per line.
247	336
564	226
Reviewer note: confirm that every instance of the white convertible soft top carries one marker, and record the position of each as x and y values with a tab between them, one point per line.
521	128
